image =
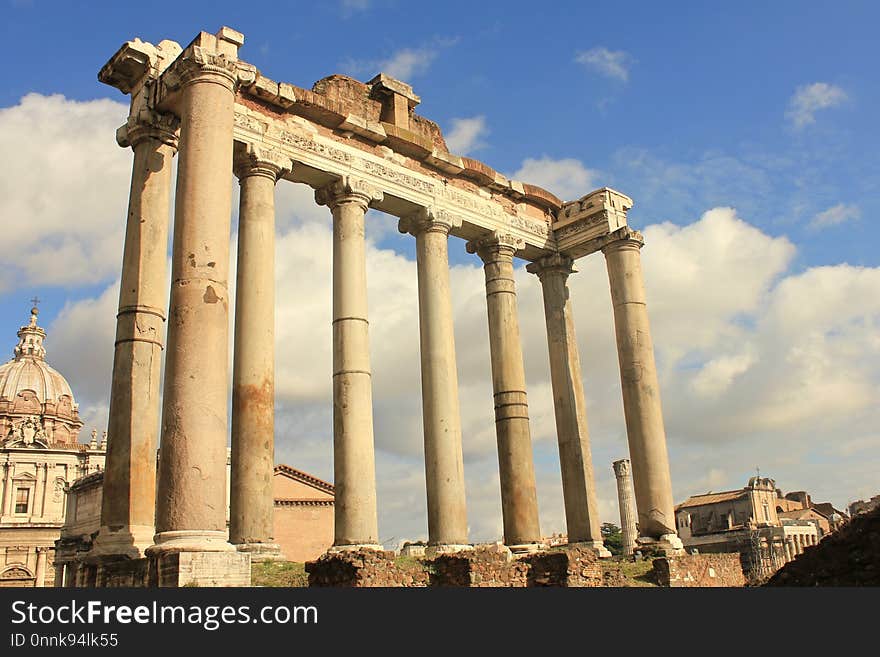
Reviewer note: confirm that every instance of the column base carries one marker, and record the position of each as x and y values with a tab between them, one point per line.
189	540
129	542
668	544
354	547
261	551
433	551
597	546
201	569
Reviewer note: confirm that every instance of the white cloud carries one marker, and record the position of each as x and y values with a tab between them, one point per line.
809	99
466	135
568	178
757	367
63	191
610	63
404	63
835	215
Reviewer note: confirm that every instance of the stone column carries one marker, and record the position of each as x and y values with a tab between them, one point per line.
59	575
519	500
444	468
127	509
627	505
251	509
8	497
579	492
40	569
191	492
641	391
354	467
36	507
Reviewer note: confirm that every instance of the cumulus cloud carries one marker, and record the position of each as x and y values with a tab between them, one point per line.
466	134
809	99
758	365
610	63
834	215
64	193
568	178
403	64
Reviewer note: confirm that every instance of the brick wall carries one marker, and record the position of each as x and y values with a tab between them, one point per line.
699	570
479	568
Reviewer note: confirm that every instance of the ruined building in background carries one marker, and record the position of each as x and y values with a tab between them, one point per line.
39	457
766	527
302	519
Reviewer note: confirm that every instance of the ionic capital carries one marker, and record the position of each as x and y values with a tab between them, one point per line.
429	220
149	124
348	189
211	58
260	161
497	245
623	238
555	264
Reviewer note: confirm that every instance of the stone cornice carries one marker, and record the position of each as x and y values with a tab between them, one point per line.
433	220
348	189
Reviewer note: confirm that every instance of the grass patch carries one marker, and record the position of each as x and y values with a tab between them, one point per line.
628	573
279	574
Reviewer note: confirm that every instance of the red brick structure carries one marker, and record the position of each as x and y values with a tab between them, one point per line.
303	514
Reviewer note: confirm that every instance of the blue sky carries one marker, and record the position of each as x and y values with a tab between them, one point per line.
745	132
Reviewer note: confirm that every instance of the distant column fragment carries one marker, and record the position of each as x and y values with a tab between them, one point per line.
627	505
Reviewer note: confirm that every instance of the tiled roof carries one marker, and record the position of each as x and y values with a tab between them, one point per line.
712	498
305	478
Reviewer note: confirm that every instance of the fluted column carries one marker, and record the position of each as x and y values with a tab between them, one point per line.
354	467
127	509
519	500
441	418
572	433
627	506
191	493
641	390
251	513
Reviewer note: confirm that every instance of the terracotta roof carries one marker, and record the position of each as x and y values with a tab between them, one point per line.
305	478
280	501
712	498
827	509
799	514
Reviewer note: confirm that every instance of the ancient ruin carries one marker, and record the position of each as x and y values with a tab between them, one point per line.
360	146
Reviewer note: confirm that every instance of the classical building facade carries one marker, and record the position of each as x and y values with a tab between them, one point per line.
758	521
302	522
359	146
39	457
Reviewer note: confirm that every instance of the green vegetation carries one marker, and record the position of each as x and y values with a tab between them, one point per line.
279	573
613	538
623	572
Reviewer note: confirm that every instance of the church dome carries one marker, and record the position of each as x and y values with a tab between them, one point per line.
35	399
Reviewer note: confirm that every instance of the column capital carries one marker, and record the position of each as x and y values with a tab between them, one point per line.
210	58
430	220
621	468
149	124
348	189
260	161
623	238
553	264
496	244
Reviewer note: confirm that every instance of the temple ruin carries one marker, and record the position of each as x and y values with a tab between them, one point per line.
359	145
